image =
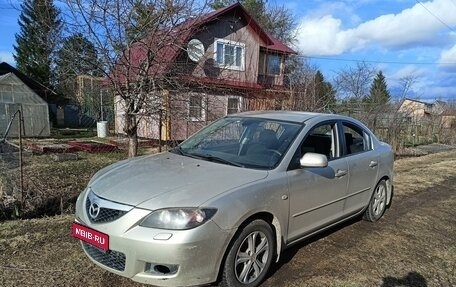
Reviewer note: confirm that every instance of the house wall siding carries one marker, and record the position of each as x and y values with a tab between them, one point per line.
176	124
412	108
232	29
215	107
148	126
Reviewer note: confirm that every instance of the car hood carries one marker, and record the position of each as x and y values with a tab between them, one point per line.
169	180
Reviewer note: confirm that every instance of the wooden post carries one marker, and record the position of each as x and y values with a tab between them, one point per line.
167	116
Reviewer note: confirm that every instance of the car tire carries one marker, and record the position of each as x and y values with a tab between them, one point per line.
250	256
377	204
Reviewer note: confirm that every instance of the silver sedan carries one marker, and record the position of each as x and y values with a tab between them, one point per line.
224	204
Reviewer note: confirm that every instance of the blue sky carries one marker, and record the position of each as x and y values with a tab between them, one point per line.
401	38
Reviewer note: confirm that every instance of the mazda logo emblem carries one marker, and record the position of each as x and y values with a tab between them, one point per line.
94	210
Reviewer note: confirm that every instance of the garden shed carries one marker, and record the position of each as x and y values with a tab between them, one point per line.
16	95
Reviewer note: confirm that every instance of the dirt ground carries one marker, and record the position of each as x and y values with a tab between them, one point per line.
414	244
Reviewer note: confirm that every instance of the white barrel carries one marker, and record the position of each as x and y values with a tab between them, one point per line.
102	129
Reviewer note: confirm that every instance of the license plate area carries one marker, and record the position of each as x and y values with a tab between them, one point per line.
91	236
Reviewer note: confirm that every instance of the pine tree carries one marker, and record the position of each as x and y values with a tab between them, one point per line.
324	91
40	27
77	56
379	94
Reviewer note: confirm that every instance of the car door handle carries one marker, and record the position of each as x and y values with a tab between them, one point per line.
341	172
373	164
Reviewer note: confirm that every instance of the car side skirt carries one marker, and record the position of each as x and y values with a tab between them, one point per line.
325	227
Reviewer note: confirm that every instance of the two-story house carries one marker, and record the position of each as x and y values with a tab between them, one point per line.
228	64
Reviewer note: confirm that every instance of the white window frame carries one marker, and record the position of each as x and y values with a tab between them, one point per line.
231	43
202	118
238	106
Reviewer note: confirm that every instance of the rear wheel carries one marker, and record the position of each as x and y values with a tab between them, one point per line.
377	204
250	256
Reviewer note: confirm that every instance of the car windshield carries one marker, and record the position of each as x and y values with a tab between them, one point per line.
242	141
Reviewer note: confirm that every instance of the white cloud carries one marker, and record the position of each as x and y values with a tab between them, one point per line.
325	35
448	57
419	74
321	36
6	56
410	70
332	8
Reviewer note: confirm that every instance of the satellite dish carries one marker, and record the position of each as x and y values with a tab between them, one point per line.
195	50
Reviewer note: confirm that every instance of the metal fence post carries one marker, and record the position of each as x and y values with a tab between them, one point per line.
21	165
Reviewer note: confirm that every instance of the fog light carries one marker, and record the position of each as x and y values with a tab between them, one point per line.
161	269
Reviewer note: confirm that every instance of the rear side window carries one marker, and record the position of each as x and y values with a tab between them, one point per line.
356	139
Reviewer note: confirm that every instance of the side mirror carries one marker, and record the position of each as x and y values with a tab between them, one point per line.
311	159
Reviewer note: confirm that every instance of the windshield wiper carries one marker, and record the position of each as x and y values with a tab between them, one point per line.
178	150
215	159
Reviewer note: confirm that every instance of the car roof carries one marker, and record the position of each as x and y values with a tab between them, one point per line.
290	116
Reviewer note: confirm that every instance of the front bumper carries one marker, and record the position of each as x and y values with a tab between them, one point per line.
158	257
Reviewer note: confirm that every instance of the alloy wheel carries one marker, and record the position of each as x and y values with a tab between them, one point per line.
379	200
251	257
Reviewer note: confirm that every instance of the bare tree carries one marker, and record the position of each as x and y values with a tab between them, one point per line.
406	83
399	122
450	121
134	39
308	89
353	82
299	77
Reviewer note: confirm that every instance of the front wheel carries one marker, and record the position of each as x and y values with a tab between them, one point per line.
377	204
250	256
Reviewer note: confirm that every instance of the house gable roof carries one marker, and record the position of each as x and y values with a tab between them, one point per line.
271	43
416	101
279	46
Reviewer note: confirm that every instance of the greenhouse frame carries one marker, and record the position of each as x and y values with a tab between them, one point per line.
16	95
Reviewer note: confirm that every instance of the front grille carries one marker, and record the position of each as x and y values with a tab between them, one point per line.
105	214
111	258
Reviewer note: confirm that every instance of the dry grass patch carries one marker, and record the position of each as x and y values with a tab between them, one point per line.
52	187
421	173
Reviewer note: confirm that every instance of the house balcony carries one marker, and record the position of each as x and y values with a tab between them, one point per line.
269	81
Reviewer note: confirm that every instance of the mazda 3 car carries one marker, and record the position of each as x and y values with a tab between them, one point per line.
223	205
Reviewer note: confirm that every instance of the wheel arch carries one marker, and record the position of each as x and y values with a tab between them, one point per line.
272	220
269	218
389	189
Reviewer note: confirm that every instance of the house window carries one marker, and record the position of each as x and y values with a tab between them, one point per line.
274	64
233	106
229	54
196	108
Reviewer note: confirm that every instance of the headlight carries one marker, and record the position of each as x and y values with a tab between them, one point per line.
178	218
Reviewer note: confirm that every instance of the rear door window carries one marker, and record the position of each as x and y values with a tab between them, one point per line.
356	139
